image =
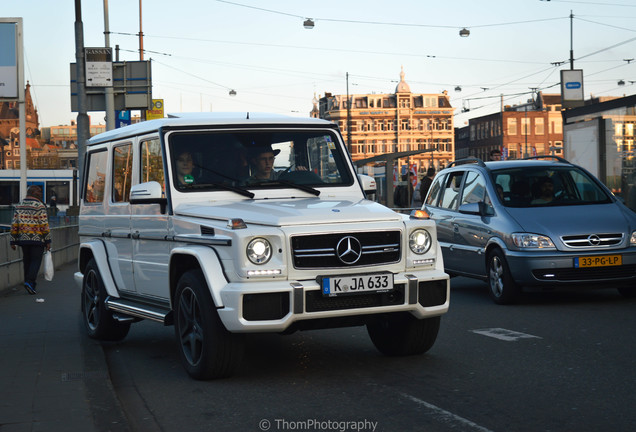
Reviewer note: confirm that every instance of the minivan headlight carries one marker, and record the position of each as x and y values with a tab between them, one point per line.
532	241
420	241
259	251
632	239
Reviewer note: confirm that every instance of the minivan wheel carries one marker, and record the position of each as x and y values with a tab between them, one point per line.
206	349
503	289
401	334
98	320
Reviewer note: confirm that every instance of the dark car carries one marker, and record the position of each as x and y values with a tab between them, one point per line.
537	222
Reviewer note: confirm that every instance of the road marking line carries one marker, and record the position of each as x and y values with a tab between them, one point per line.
447	416
504	334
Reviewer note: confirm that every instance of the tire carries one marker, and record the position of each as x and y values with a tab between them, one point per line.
503	289
401	334
206	349
98	320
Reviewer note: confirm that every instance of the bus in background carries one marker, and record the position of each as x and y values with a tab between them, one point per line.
58	183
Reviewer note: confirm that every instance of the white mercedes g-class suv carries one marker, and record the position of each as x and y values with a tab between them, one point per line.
224	224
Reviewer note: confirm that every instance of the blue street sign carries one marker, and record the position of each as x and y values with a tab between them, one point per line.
122	118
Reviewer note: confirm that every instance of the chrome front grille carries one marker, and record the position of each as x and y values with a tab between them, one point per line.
330	250
593	240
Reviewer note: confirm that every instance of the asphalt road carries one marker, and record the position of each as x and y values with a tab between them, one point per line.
554	362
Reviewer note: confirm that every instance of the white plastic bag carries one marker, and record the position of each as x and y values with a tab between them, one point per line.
49	270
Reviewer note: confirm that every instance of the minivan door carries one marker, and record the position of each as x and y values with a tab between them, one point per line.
472	231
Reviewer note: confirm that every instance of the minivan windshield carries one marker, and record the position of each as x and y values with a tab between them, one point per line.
256	159
548	186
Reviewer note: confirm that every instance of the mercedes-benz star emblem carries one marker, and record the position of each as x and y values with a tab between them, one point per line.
594	240
349	250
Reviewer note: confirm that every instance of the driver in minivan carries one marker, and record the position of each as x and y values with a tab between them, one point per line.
544	191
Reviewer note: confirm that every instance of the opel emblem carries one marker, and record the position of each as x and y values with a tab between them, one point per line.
594	240
349	250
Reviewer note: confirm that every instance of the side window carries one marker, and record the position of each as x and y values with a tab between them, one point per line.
122	171
474	188
436	188
96	178
152	162
450	191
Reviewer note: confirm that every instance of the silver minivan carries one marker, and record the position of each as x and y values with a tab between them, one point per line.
538	222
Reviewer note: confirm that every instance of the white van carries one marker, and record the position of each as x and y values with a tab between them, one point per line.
223	225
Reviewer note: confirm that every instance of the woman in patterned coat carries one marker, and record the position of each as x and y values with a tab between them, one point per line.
30	231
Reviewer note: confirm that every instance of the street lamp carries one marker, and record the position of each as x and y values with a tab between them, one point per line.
308	24
464	32
232	92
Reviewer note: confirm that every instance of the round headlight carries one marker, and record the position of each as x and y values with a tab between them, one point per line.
420	241
259	251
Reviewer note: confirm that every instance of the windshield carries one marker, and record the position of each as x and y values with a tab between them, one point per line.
548	186
256	159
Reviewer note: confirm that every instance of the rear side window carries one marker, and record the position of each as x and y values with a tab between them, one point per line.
96	177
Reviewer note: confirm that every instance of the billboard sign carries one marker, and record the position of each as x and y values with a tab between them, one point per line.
157	110
8	60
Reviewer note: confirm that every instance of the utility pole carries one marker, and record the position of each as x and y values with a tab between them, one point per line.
571	41
141	55
348	117
83	126
108	91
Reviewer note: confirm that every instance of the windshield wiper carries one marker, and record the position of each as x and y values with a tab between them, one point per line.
223	186
301	187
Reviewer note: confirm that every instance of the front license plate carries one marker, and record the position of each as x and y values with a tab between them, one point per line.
598	261
336	286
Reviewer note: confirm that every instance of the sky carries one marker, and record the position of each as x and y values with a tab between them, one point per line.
202	49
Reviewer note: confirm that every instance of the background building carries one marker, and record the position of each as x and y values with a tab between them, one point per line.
531	129
10	130
377	124
374	125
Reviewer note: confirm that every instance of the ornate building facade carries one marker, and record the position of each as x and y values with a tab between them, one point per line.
382	124
10	130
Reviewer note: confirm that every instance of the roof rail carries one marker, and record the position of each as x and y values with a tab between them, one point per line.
466	161
559	158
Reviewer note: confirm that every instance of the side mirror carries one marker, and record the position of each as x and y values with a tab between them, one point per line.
477	208
368	183
148	193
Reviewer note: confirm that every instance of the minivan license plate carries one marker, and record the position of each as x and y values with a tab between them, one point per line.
598	261
356	284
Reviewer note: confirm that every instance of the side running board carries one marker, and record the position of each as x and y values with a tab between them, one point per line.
138	310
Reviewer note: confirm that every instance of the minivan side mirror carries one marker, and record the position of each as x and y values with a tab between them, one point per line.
477	208
148	193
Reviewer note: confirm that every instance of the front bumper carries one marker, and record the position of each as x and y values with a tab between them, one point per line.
557	268
274	306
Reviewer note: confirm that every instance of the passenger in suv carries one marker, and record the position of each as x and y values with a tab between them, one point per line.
573	232
218	255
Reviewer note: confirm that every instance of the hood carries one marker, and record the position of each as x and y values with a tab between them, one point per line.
572	220
292	212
